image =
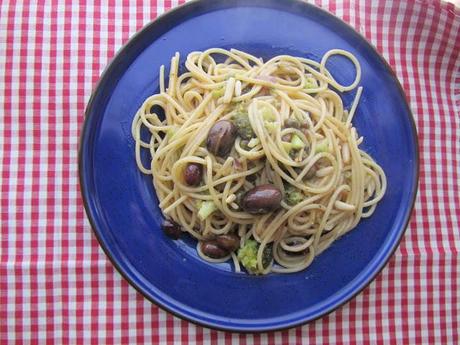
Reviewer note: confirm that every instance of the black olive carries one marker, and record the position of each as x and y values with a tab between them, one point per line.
320	163
312	172
267	255
251	178
221	138
193	174
229	242
211	249
286	137
292	123
262	199
172	229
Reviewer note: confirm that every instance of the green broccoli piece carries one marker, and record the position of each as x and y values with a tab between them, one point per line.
267	114
297	143
322	146
247	255
287	146
218	93
171	132
310	83
243	126
270	126
292	195
253	142
206	208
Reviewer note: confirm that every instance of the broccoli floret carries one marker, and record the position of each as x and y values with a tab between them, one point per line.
271	126
206	208
171	132
243	126
292	195
322	146
267	114
310	83
297	143
253	142
218	93
287	146
247	255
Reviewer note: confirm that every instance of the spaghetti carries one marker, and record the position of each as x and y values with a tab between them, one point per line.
257	160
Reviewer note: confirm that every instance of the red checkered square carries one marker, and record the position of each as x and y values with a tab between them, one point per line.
57	286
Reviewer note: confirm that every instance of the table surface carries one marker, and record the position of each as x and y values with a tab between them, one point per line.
56	284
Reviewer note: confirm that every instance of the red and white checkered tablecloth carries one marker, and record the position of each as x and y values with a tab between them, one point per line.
56	284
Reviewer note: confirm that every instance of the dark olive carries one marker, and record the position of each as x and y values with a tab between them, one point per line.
293	243
221	138
294	254
251	178
229	242
211	249
244	145
312	172
193	174
292	123
239	198
304	130
172	229
267	255
320	163
286	137
262	199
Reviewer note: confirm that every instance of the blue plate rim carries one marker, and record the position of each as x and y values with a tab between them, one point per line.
295	321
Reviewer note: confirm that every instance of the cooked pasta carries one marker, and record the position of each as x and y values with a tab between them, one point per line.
259	161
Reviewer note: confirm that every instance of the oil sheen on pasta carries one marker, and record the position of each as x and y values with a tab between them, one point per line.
279	124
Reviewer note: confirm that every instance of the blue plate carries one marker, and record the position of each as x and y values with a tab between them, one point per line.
123	209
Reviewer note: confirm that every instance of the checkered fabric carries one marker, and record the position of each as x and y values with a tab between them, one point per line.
56	284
